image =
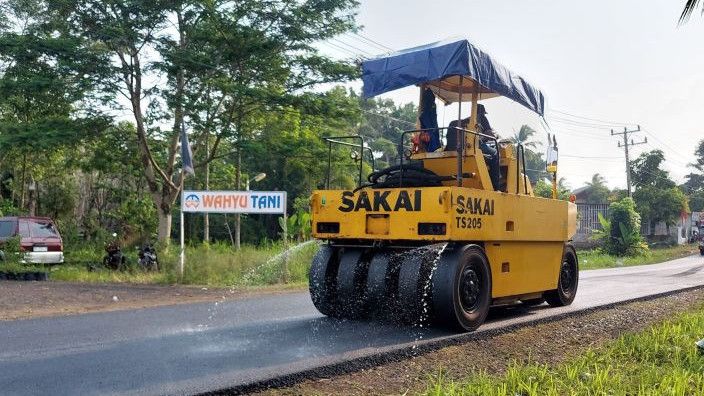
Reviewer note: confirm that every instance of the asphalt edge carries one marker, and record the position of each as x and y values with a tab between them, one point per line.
410	351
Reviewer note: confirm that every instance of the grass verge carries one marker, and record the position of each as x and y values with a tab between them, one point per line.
594	259
221	265
212	265
660	360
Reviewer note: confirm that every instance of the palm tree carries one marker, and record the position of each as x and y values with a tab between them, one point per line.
689	9
523	136
597	181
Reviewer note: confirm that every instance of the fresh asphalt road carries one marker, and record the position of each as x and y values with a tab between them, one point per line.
195	348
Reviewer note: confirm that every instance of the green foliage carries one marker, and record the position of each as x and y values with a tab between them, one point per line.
8	208
660	360
620	234
524	136
694	186
136	216
216	264
660	204
597	258
696	201
657	198
298	226
12	255
646	170
544	189
699	156
60	197
597	191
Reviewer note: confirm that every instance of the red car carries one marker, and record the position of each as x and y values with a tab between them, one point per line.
40	240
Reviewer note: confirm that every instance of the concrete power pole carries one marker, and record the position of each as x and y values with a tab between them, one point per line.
625	145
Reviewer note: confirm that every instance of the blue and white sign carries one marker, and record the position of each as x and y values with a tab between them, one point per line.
271	202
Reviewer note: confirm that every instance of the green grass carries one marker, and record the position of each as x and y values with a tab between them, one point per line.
221	265
594	259
213	265
662	360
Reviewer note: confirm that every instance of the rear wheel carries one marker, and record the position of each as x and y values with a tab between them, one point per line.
567	282
351	279
461	288
414	288
376	293
322	280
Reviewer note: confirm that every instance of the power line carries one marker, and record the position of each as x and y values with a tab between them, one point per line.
651	134
591	119
588	157
345	50
584	124
354	48
371	41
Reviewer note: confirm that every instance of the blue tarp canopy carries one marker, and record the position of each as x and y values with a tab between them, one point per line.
440	65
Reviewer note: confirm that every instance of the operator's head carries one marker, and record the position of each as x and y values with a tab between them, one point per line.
481	110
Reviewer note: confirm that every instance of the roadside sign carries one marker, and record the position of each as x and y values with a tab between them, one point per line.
264	202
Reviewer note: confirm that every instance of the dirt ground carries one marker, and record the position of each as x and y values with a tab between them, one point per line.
22	300
547	343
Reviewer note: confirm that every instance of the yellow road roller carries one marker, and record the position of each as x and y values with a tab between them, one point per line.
454	228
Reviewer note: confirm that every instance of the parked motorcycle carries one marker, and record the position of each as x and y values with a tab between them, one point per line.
114	259
147	258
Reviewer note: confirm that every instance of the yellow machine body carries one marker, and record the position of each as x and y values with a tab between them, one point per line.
523	235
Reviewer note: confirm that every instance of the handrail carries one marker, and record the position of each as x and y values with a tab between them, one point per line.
333	139
521	159
460	149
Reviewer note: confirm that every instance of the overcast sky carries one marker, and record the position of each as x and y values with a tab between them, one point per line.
625	61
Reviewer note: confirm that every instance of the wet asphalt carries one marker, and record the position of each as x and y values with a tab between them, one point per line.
195	348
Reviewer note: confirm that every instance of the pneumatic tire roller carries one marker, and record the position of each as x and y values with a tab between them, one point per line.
455	230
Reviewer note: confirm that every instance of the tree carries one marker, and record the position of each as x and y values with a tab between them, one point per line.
657	198
597	191
694	185
542	188
221	62
696	201
383	123
689	8
46	104
699	154
524	136
646	170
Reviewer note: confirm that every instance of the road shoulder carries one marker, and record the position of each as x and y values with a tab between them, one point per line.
25	300
546	343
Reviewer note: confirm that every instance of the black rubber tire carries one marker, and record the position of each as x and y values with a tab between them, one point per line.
351	278
322	279
568	280
376	292
532	302
414	288
451	278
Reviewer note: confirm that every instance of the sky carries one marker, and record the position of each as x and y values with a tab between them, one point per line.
624	62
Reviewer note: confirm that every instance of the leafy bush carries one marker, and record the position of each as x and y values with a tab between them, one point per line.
620	234
297	225
11	255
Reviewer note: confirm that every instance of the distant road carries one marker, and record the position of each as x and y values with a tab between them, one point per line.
193	348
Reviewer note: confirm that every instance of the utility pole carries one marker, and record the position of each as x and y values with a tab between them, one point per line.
625	145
